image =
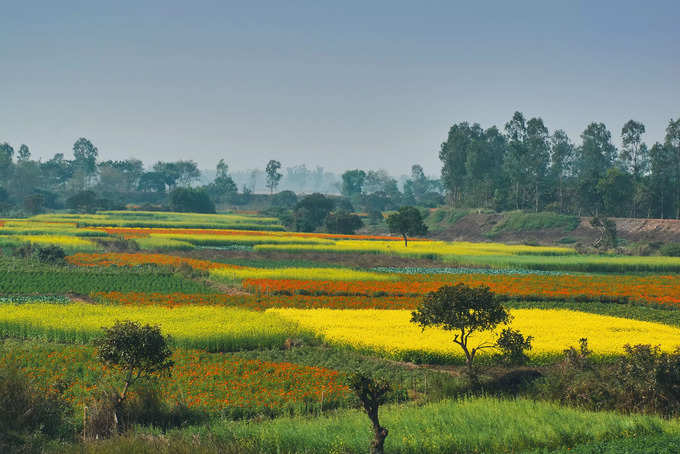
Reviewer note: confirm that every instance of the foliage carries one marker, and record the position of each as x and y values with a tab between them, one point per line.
406	222
26	411
52	255
513	344
464	310
343	223
311	211
191	200
670	250
138	351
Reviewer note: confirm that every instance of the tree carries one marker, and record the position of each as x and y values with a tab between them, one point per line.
633	153
223	186
661	179
672	143
353	183
616	189
371	393
6	156
343	222
311	211
284	199
561	162
188	173
538	155
137	351
85	201
407	222
85	160
191	200
512	345
594	157
24	154
465	310
152	182
273	176
516	162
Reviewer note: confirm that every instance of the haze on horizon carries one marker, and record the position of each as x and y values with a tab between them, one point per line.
342	85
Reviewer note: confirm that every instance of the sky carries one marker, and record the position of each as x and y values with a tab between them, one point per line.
365	84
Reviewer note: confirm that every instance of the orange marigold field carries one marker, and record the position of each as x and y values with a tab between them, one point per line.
213	382
257	302
661	290
136	259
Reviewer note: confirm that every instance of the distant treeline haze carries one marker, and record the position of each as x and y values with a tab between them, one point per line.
523	166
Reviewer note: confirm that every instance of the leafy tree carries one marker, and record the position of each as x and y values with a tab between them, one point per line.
191	200
538	154
372	393
311	211
594	157
223	186
85	160
407	222
284	199
6	156
83	201
464	310
273	176
137	351
343	222
633	151
672	143
169	171
607	228
152	182
517	159
512	345
661	179
33	204
616	189
188	173
353	183
56	172
24	154
561	162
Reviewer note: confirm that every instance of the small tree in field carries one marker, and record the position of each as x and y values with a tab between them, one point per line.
138	351
464	310
407	222
372	393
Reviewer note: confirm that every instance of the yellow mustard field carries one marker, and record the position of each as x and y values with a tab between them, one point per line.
390	332
423	248
215	328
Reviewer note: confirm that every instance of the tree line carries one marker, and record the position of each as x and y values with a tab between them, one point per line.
524	166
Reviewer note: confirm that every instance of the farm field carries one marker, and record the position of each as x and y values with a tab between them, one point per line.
266	327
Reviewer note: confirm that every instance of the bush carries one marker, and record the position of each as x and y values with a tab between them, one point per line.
670	250
343	222
512	345
284	199
191	200
52	255
26	412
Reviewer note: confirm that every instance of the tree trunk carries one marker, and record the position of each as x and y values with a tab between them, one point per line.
378	443
405	240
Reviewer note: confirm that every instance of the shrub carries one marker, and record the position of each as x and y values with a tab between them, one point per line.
26	412
512	345
191	200
670	250
53	255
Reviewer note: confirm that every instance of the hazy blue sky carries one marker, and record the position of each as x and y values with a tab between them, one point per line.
340	84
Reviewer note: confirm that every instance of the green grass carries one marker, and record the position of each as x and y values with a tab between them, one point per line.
654	444
521	222
466	426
